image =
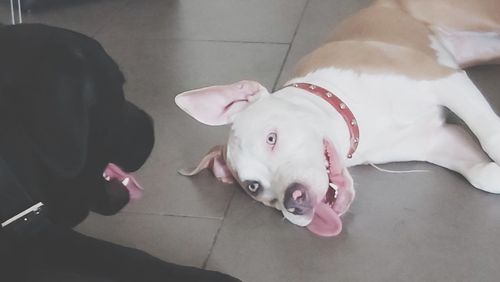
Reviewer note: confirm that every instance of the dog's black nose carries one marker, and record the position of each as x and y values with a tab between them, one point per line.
297	200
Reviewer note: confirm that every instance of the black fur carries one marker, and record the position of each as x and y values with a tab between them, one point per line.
63	118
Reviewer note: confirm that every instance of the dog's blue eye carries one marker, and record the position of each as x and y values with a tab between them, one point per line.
272	138
253	186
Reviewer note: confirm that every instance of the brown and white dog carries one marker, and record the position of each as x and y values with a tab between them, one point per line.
374	93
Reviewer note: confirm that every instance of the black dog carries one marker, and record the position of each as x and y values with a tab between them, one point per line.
63	118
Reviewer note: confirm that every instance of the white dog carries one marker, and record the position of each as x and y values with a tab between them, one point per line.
374	93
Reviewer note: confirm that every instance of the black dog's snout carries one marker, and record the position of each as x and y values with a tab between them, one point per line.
297	200
133	138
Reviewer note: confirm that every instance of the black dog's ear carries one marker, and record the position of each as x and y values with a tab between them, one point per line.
58	119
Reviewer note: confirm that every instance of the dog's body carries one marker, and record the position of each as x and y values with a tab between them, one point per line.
396	65
63	119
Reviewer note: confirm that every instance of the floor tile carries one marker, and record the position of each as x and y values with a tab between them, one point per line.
486	79
5	13
178	239
166	67
159	70
319	19
87	17
256	20
428	226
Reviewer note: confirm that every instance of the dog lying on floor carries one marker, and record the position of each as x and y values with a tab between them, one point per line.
373	93
64	122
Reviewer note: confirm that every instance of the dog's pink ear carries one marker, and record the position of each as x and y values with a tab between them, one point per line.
217	105
214	160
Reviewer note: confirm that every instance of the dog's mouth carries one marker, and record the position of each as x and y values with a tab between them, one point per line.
113	172
326	219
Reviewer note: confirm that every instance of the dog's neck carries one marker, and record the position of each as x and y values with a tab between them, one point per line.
337	128
340	106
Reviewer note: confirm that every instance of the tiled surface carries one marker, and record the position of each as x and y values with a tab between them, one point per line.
157	69
318	20
430	226
184	240
87	16
402	227
256	20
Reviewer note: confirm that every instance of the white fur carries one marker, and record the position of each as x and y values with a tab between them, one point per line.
443	54
398	117
390	109
298	155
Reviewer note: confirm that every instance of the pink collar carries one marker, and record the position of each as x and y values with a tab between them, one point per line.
340	106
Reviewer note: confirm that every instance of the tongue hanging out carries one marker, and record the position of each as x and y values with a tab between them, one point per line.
326	219
326	222
112	171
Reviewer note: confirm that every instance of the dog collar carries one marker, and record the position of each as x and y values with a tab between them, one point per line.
25	215
341	108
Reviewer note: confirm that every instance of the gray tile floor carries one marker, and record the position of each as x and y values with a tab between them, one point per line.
402	227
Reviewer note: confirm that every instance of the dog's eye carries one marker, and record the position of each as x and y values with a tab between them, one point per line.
272	138
253	186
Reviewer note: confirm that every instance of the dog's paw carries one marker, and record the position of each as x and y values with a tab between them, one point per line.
485	177
492	147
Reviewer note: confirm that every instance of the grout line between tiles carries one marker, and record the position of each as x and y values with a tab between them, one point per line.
200	40
205	262
171	215
290	45
232	41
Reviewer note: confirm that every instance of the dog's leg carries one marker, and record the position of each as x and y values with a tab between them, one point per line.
461	96
453	148
470	30
471	48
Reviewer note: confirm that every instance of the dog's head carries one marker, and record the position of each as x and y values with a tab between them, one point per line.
282	153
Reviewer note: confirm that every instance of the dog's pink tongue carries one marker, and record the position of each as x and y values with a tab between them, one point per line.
134	188
325	222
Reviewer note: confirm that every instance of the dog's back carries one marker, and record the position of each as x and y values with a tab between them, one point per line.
463	15
409	38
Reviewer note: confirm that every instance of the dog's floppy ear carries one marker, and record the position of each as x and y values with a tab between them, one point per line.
58	119
217	105
214	160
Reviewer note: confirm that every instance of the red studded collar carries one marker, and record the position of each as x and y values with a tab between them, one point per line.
341	108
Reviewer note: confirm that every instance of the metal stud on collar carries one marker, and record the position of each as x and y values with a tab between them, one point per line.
341	108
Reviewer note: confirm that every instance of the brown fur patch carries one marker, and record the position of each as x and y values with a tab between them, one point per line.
380	38
464	15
